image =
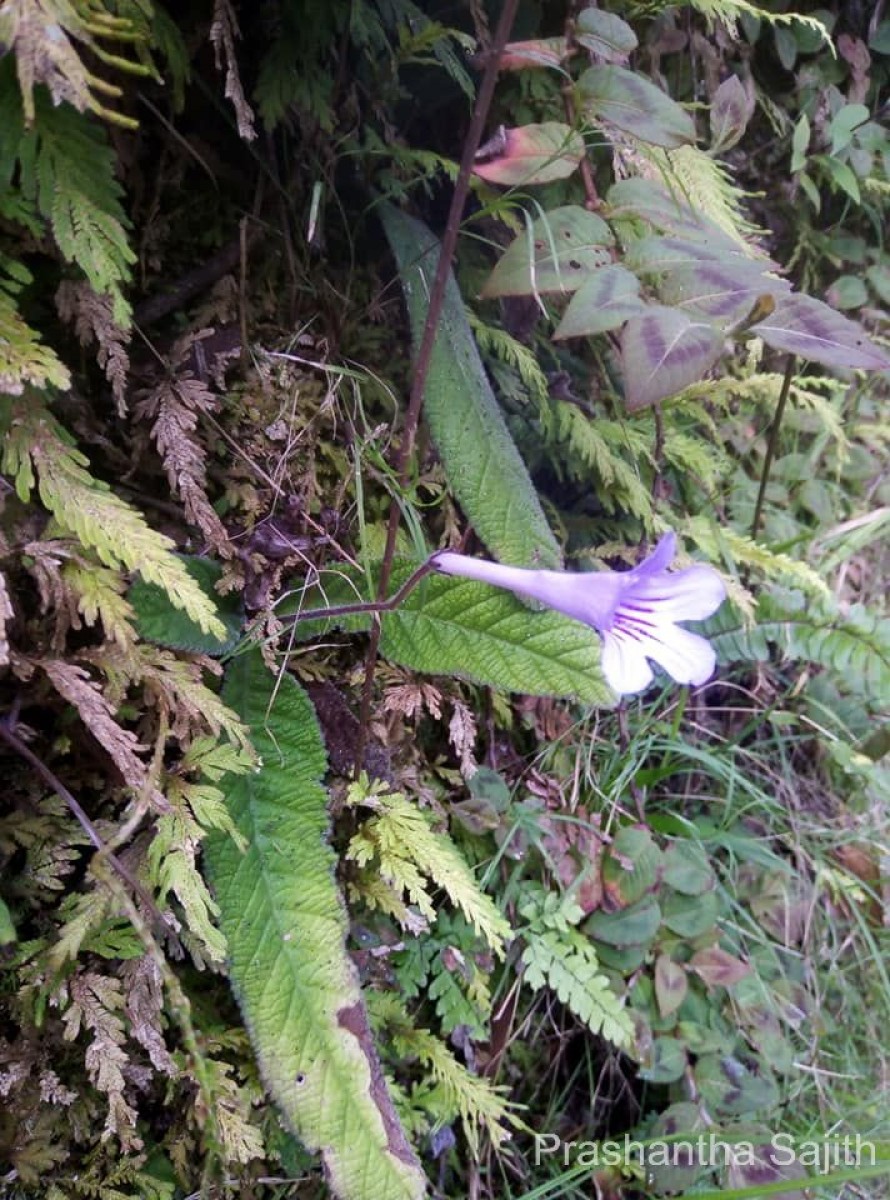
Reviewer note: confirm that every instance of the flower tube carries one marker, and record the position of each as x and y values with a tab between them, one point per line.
635	612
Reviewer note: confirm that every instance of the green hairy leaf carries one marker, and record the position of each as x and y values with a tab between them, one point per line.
285	925
159	621
483	466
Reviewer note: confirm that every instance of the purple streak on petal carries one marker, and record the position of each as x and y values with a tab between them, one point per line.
624	666
688	595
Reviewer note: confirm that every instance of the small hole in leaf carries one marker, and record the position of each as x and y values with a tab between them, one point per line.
300	1079
574	264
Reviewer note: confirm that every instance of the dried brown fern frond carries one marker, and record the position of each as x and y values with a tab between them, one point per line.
175	406
96	1005
223	33
74	684
93	320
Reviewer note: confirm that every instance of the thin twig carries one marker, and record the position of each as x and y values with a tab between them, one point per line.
367	606
592	199
430	331
772	446
51	780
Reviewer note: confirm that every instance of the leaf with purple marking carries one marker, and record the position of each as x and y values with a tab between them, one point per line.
721	293
671	985
653	255
632	104
718	968
804	326
649	201
604	302
664	351
533	154
556	254
605	34
731	111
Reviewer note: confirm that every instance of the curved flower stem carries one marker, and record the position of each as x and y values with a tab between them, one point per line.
368	606
430	329
772	446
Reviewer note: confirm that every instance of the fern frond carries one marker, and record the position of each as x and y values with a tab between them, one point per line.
84	694
383	897
96	1004
707	461
405	851
176	685
729	11
501	345
67	172
746	552
99	593
705	185
92	318
455	1091
241	1140
587	446
559	956
223	34
460	991
23	358
823	397
567	963
82	914
99	519
172	859
42	35
174	407
205	801
854	643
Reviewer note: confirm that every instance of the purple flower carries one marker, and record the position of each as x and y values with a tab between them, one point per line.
635	612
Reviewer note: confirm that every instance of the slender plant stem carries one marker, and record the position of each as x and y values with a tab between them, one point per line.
427	341
51	780
367	606
592	200
772	445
